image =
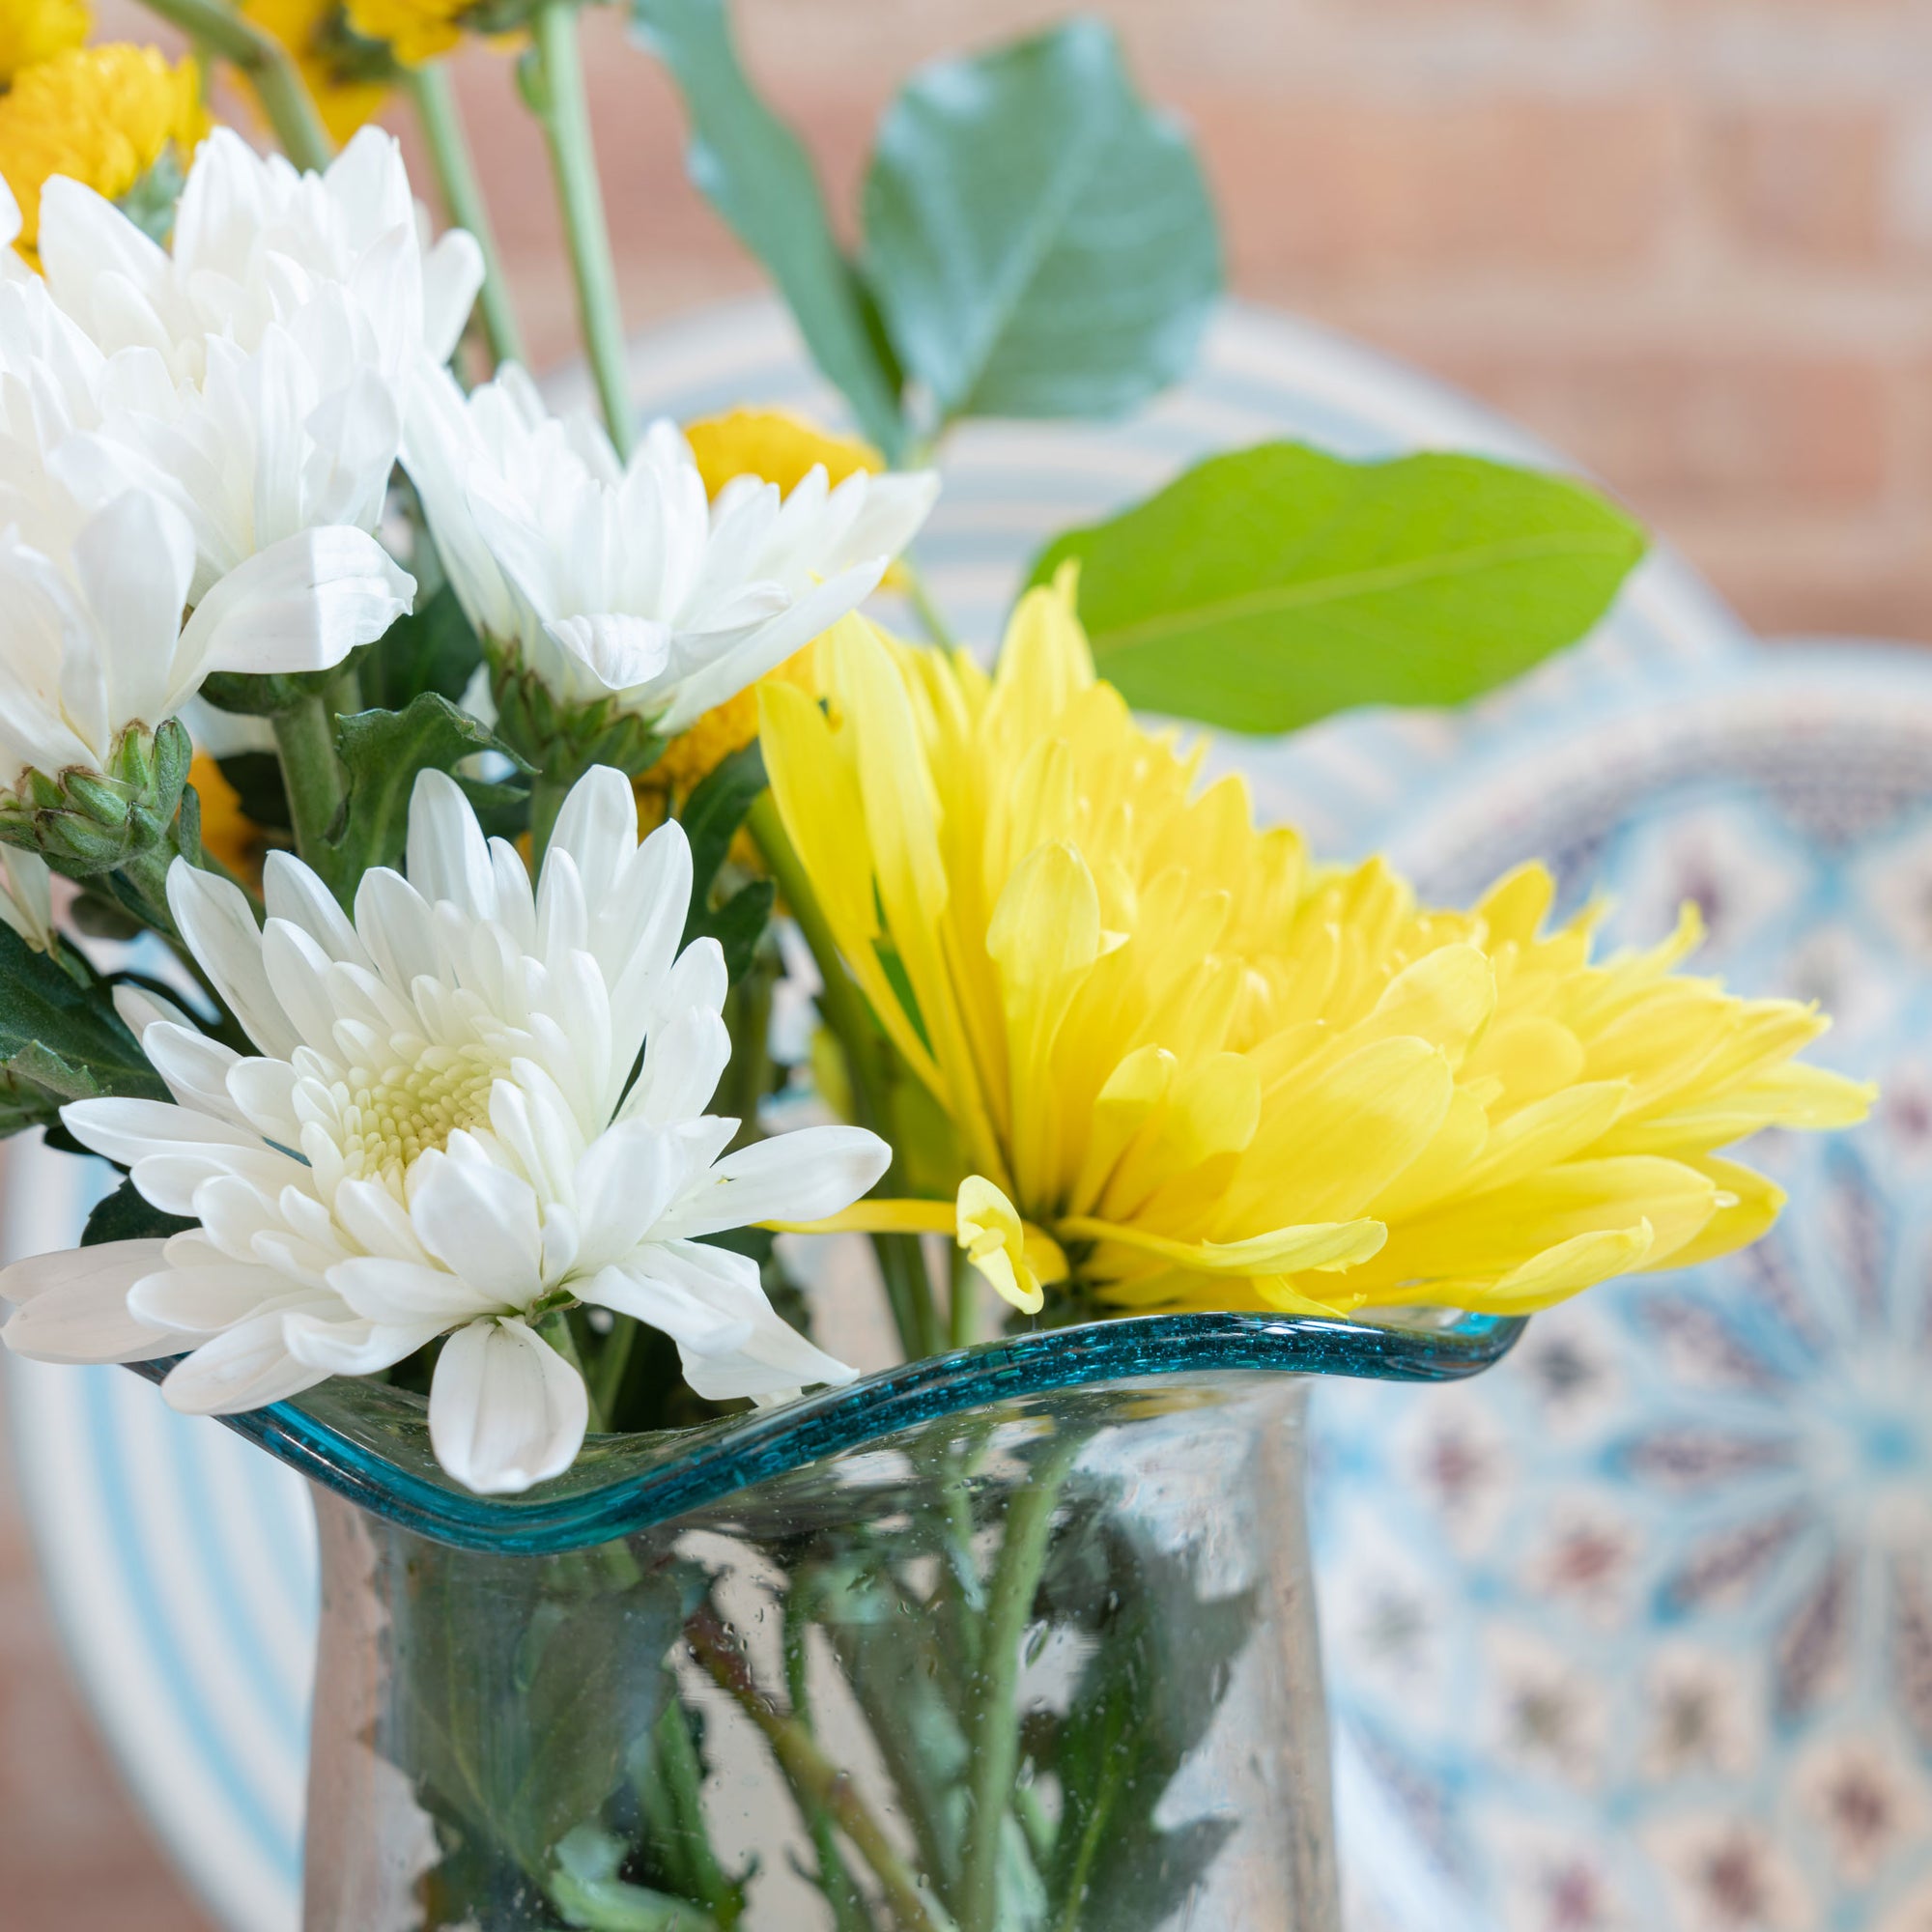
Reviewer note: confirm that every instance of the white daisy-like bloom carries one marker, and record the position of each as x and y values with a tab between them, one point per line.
256	372
621	579
440	1134
91	636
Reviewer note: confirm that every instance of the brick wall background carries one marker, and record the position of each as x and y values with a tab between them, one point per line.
1689	241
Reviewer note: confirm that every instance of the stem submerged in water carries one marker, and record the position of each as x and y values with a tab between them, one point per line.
992	1725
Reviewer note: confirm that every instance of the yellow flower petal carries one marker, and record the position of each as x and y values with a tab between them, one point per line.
989	1229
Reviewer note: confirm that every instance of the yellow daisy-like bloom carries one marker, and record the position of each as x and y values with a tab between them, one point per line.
776	445
32	31
1213	1074
315	32
415	31
104	115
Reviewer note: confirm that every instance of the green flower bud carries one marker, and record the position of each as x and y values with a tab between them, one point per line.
562	739
83	822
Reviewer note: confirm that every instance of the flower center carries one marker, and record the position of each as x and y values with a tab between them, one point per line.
388	1119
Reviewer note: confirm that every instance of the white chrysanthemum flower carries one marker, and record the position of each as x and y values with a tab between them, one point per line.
622	579
91	636
441	1135
257	372
26	898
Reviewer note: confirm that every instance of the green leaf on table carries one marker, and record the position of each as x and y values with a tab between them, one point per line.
713	813
1267	589
126	1216
384	751
1040	241
434	647
60	1040
754	171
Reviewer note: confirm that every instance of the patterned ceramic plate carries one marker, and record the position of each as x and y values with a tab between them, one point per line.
180	1562
1637	1633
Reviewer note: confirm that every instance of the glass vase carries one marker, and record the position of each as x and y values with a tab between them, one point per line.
1017	1640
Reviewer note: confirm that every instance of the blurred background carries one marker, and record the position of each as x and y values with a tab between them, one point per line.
1688	242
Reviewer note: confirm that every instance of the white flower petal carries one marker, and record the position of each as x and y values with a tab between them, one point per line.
795	1177
481	1222
668	1305
72	1306
302	604
405	1294
505	1409
214	918
205	1298
448	856
247	1367
618	650
352	1347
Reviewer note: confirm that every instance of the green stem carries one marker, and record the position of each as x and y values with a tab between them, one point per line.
565	114
442	122
269	69
849	1908
613	1359
684	1790
926	607
992	1725
312	777
811	1775
908	1291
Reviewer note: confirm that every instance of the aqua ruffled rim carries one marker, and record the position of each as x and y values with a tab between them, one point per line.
370	1443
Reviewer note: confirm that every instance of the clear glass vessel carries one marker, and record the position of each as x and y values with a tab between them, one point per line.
1017	1640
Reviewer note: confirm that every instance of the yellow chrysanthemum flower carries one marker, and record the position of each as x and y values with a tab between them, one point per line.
1214	1075
415	31
339	67
32	31
104	115
776	445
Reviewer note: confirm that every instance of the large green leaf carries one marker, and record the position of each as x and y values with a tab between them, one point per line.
382	752
60	1039
1040	242
1264	590
754	170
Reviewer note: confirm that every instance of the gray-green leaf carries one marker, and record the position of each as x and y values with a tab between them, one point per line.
382	752
1267	588
60	1040
754	171
1040	242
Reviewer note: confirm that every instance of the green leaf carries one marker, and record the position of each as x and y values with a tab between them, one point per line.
384	751
754	171
60	1040
125	1216
737	926
1161	1659
1267	588
433	648
713	813
1041	241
